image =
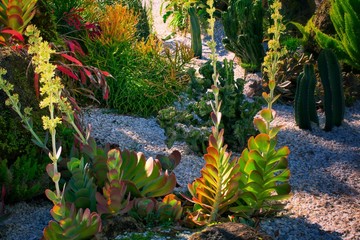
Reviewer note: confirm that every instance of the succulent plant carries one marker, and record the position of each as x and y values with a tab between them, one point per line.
80	189
332	81
218	187
16	14
169	209
72	224
264	171
113	200
169	162
305	109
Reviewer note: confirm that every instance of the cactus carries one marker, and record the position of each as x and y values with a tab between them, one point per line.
244	33
305	110
334	100
196	45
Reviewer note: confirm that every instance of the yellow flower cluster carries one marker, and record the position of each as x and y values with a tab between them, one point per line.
50	86
273	57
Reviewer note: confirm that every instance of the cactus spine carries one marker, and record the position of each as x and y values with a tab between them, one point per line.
331	79
196	45
305	110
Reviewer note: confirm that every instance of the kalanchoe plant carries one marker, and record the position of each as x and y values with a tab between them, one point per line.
265	173
151	210
80	189
16	14
71	224
217	188
114	200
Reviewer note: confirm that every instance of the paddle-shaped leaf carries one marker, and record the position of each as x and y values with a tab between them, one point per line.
218	187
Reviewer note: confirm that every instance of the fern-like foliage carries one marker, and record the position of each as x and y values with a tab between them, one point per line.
345	16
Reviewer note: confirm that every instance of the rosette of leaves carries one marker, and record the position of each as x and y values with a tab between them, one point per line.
264	171
113	200
143	178
71	223
151	210
80	189
218	187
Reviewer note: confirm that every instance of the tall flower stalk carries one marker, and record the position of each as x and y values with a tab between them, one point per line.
50	92
217	188
273	57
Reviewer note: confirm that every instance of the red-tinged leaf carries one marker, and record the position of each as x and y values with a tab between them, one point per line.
67	71
14	33
82	77
36	85
75	47
72	59
106	94
87	72
105	73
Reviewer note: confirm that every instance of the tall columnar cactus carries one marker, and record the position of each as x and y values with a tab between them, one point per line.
345	16
196	45
334	100
244	32
305	110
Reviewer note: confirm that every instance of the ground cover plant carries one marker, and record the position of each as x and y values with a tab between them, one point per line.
106	183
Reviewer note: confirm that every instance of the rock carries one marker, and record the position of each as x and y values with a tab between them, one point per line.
229	231
118	225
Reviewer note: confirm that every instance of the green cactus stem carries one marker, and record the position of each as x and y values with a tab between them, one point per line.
196	45
334	100
305	109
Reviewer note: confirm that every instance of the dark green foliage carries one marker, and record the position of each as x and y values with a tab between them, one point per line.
331	78
45	21
244	32
195	114
196	44
346	45
28	176
305	110
142	84
14	138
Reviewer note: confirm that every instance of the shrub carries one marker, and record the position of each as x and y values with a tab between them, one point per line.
144	80
244	32
237	111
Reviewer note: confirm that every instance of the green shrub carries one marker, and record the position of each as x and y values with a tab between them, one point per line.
244	32
195	115
28	176
144	80
345	17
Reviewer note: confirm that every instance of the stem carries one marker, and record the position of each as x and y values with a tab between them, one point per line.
54	155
